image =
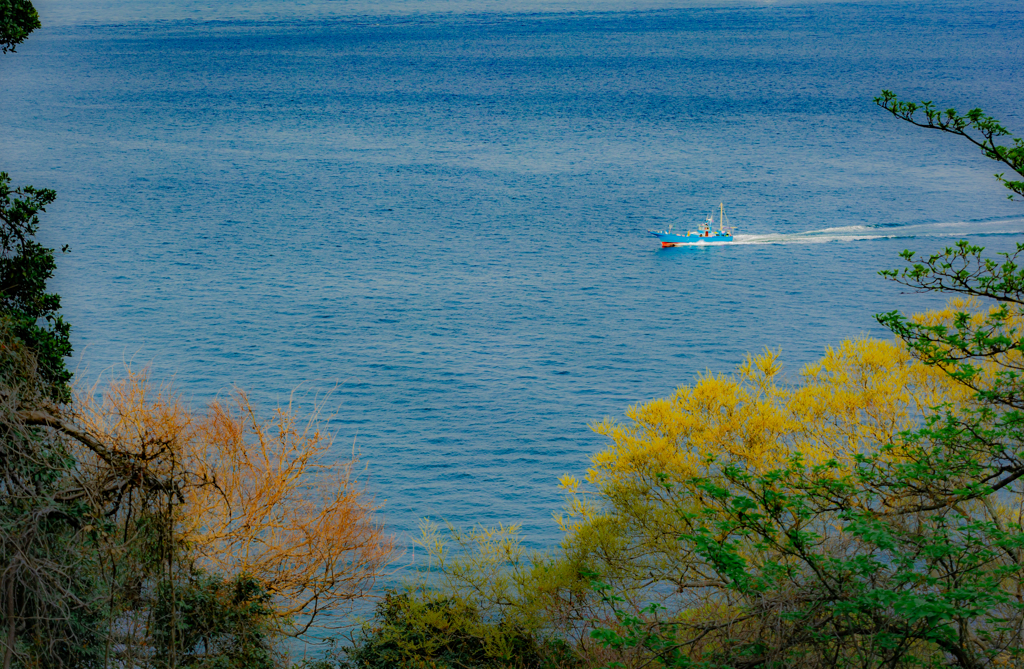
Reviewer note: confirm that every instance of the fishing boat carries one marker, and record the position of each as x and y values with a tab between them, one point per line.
702	235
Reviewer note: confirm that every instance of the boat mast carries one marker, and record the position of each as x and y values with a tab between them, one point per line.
721	215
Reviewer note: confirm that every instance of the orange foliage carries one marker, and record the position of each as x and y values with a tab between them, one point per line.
261	498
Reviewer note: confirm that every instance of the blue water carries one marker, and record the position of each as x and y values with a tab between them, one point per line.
435	217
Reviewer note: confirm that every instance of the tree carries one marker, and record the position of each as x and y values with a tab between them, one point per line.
48	596
425	628
25	267
18	18
698	468
246	499
718	526
187	537
974	126
285	512
903	548
219	622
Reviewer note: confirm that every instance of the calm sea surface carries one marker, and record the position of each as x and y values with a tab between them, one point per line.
442	216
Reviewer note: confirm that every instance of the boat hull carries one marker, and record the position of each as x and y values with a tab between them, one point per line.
674	239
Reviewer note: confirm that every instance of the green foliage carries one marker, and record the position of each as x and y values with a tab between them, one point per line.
49	610
647	630
975	126
217	623
17	19
25	267
960	269
829	569
423	630
968	345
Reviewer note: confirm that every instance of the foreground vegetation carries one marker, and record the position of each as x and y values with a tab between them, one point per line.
870	515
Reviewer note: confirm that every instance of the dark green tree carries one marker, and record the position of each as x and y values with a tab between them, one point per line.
219	623
17	19
420	629
49	604
25	267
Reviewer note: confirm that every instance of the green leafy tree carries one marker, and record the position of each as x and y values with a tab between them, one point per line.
25	267
17	19
975	126
907	553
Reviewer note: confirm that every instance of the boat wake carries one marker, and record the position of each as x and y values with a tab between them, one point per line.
858	233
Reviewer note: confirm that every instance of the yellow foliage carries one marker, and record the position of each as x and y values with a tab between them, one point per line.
857	397
257	497
863	395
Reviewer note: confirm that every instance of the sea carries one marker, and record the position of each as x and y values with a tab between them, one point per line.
430	219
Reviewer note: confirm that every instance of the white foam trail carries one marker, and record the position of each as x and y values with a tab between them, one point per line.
842	228
858	233
803	238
